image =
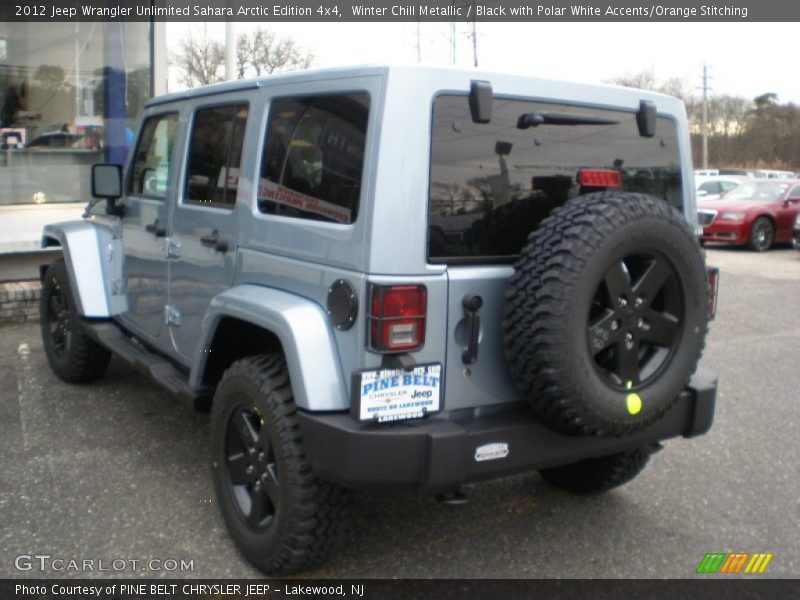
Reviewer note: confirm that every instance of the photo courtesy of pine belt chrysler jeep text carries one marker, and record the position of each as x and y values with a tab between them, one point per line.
386	277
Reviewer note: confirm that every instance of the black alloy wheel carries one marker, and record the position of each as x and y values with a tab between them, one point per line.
282	517
606	313
72	354
251	467
634	323
57	323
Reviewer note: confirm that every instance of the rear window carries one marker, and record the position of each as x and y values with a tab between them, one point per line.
313	158
492	184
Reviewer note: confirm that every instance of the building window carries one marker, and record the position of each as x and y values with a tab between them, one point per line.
70	94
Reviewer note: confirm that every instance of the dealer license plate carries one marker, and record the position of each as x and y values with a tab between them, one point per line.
397	394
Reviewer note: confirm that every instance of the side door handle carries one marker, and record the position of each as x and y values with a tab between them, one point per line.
156	229
214	241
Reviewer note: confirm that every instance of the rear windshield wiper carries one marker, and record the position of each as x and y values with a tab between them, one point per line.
551	118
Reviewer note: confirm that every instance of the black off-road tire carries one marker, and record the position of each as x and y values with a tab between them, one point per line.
596	475
308	516
73	355
762	235
563	278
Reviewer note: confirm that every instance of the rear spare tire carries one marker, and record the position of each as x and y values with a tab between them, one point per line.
606	313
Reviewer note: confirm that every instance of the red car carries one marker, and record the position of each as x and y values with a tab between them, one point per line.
758	213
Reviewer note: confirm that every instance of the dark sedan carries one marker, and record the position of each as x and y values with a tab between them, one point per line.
756	213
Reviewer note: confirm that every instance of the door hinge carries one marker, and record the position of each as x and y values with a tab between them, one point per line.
172	316
173	248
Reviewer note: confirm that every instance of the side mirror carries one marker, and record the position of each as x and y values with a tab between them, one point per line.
792	200
106	181
701	193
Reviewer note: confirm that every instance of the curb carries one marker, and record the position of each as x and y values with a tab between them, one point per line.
19	301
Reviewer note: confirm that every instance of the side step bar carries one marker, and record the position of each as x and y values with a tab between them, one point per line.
149	363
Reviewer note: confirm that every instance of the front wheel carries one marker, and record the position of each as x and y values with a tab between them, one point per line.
73	355
762	234
282	518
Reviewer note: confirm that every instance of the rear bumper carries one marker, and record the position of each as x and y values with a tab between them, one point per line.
438	455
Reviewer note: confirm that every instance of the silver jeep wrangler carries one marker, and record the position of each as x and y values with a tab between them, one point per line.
396	277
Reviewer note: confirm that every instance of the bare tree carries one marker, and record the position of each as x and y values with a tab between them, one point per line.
201	60
646	80
262	52
756	132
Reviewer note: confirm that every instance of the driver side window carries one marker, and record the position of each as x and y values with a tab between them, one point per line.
151	163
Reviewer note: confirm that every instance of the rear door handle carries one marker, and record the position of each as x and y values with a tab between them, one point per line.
156	229
214	241
472	305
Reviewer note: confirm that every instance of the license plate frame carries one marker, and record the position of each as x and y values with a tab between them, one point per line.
400	394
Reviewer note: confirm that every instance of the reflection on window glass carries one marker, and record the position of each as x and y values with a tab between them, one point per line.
760	192
492	184
215	155
58	114
710	187
314	157
151	163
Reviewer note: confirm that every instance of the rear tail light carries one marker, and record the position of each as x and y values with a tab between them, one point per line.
599	178
397	318
713	291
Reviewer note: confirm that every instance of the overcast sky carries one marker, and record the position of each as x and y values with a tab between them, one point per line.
746	59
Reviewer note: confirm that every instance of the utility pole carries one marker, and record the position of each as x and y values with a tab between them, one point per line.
474	39
452	42
704	153
230	51
419	43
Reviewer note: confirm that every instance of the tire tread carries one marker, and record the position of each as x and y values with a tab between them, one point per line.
318	513
539	296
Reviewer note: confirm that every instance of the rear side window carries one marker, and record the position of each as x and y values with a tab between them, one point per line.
215	154
492	184
153	157
313	159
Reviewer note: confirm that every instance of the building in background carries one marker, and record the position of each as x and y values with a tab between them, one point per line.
70	95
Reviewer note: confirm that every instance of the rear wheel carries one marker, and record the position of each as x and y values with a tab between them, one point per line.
282	518
596	475
762	234
73	355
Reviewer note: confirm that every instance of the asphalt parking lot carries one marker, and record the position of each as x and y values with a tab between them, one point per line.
117	470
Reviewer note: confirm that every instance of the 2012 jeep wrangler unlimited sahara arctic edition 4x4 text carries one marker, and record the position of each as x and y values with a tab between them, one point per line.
396	277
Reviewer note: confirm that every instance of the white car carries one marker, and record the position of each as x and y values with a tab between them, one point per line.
711	188
773	174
